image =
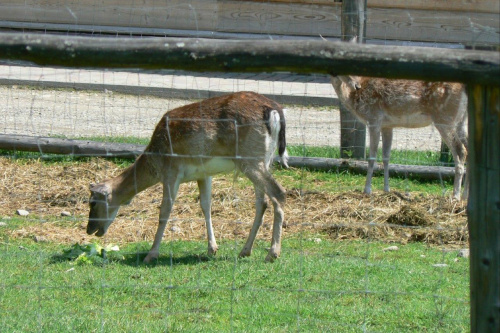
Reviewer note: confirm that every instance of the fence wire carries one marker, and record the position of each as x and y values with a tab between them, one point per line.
350	262
318	212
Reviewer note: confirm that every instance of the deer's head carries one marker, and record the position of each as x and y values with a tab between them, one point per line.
102	209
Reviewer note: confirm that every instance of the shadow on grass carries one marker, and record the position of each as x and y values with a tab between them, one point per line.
181	253
58	258
136	259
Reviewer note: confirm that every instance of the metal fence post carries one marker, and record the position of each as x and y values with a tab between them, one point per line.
352	131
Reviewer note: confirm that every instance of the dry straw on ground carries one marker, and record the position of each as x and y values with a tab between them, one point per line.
47	189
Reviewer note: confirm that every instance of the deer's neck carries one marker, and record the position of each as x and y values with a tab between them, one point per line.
133	180
343	91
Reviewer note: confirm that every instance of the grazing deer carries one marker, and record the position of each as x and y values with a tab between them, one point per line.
383	104
239	131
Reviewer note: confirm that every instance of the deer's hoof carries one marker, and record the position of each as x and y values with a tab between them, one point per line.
150	257
272	256
212	250
245	253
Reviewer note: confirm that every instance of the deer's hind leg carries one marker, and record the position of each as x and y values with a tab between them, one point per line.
264	182
459	152
386	154
260	208
464	138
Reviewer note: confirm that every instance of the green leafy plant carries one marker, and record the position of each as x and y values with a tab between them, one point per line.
92	253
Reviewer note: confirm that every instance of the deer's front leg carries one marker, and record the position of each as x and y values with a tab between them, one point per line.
205	186
374	132
169	193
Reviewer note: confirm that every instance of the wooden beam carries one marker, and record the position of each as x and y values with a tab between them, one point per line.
484	207
361	167
484	6
255	56
178	14
85	148
80	148
442	21
292	19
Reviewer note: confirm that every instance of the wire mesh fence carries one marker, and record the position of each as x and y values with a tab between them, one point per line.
321	209
349	262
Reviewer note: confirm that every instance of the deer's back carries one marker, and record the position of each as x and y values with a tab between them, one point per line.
407	103
219	126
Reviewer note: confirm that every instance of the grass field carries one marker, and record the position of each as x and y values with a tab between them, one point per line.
320	283
316	286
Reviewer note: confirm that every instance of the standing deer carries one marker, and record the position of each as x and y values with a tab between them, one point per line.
239	131
383	104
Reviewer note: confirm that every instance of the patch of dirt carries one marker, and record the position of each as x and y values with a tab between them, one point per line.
47	189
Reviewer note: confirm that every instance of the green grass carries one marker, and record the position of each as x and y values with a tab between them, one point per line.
341	286
408	157
341	181
331	286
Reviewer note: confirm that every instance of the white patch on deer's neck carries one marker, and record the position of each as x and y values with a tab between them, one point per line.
207	168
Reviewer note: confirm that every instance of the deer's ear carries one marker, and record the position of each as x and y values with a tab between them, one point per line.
99	188
353	40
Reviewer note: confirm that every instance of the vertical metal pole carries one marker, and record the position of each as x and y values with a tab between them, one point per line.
446	157
484	207
352	131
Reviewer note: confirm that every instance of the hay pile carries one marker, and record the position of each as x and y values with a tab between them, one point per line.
47	189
